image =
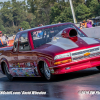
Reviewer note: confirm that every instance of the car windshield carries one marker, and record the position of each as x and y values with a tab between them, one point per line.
44	36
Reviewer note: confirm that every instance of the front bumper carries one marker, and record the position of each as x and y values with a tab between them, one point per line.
76	65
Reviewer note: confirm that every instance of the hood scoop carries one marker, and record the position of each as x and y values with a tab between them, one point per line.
70	33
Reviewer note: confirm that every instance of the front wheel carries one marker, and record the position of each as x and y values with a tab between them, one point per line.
9	76
47	74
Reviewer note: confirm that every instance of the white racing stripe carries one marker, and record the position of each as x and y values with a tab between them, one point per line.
63	43
89	40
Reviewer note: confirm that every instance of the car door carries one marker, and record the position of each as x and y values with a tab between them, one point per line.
26	57
24	54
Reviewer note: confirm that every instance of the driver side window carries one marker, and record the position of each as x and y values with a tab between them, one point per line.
23	42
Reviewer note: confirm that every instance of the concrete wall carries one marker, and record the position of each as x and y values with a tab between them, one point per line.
93	32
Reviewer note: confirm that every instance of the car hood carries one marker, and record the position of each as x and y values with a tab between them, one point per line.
60	45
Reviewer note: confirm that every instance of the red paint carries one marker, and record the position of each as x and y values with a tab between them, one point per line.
47	52
30	40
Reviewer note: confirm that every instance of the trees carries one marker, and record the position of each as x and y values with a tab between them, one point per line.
82	12
18	12
94	7
40	10
12	14
6	14
25	25
55	13
64	16
2	28
98	10
15	14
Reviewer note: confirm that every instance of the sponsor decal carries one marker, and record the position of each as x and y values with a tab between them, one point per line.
26	74
32	64
22	64
54	39
57	38
28	64
29	72
14	65
51	31
18	65
24	69
27	57
34	58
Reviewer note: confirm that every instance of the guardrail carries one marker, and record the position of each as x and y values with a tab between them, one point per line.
93	32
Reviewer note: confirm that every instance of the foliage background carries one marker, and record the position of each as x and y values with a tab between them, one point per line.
15	14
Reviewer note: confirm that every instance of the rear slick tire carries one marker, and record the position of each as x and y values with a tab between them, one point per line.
9	76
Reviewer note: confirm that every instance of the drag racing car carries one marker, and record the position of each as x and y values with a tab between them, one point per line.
48	51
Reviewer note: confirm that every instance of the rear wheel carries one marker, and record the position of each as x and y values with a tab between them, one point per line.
46	72
9	76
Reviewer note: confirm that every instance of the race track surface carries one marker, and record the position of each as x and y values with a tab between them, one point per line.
80	85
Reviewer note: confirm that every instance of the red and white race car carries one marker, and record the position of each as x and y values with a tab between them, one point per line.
48	51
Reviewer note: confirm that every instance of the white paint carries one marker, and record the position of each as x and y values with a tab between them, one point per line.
63	43
89	40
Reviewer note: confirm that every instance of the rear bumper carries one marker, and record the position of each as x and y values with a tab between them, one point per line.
76	65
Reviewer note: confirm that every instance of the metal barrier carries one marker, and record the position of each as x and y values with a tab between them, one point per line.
93	32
